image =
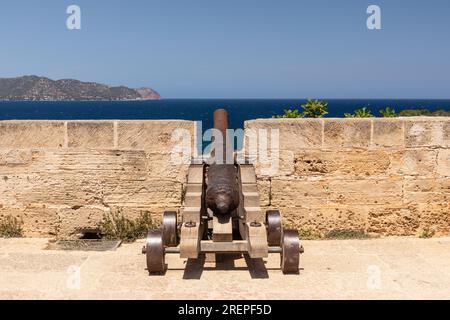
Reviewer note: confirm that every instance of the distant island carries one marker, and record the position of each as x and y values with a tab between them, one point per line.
35	88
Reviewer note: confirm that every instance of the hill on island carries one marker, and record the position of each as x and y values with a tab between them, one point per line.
34	88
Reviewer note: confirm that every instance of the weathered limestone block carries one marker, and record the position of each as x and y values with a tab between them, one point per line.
78	220
153	135
446	127
94	163
62	189
11	189
292	217
393	221
294	192
82	180
312	162
38	221
427	132
294	134
347	133
414	162
90	134
278	163
161	165
31	134
388	133
71	178
138	193
264	191
427	190
434	218
322	219
331	217
366	192
14	158
443	163
354	163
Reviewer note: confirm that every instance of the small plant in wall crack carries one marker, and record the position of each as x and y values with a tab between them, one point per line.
11	227
344	234
308	234
115	226
427	233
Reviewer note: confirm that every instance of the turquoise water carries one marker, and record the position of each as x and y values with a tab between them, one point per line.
194	109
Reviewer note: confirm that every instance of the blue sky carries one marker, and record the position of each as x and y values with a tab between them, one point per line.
235	48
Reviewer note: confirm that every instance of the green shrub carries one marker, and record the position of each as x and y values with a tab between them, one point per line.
11	227
315	109
441	113
360	113
290	113
319	109
117	227
414	112
312	109
388	113
424	113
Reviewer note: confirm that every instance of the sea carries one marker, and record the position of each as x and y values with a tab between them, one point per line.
239	110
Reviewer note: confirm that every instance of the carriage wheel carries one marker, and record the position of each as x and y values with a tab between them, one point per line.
170	228
290	255
155	252
274	228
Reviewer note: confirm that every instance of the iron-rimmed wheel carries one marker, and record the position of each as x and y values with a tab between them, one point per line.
290	255
274	227
170	228
155	252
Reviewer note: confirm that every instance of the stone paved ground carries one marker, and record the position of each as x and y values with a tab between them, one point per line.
392	268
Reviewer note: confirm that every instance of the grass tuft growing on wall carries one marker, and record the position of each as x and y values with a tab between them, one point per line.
427	233
11	227
346	234
308	234
115	226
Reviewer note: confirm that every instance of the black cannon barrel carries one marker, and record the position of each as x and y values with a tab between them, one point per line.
222	192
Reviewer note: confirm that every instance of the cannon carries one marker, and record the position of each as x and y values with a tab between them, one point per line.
221	214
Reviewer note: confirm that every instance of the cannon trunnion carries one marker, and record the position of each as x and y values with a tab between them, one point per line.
221	214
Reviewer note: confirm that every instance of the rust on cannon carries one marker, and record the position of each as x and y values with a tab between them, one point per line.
221	120
223	144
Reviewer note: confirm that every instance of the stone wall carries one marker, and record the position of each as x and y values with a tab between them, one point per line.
60	177
383	176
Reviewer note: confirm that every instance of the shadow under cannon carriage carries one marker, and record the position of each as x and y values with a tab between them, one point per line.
222	215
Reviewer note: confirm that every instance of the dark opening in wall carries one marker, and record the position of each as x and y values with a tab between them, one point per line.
91	235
